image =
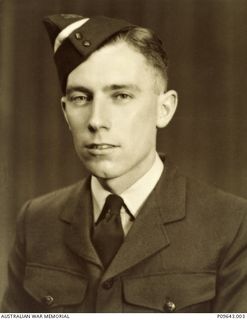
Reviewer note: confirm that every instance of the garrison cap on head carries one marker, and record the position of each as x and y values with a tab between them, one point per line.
75	37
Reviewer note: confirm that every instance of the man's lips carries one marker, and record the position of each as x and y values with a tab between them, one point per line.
101	149
100	146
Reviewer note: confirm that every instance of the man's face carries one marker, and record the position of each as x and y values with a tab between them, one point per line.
113	111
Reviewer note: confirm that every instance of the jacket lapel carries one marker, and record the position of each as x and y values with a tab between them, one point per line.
78	217
148	234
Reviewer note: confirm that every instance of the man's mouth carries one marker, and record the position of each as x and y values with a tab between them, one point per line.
101	149
101	146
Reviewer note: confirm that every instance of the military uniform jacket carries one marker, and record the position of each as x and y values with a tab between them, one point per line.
186	252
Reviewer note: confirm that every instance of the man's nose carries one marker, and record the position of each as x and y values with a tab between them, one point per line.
99	117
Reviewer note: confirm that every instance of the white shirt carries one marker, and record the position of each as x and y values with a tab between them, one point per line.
134	197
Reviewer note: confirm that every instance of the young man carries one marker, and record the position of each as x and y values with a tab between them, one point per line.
135	235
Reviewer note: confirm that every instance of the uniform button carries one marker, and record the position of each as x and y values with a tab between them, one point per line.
48	300
86	43
169	306
78	36
107	284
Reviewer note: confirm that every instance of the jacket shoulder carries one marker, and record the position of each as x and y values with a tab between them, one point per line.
220	212
212	196
56	197
203	194
53	203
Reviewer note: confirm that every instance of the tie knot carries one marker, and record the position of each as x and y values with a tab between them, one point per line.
114	203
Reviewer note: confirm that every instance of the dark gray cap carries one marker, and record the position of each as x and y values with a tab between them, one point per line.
74	38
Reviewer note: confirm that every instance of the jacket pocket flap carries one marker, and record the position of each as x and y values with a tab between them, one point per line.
53	287
167	292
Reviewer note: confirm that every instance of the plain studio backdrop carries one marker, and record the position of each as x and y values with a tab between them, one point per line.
206	41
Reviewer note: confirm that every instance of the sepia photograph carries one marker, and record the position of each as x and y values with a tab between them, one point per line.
123	156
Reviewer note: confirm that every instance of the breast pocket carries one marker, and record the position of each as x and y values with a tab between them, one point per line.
52	290
187	292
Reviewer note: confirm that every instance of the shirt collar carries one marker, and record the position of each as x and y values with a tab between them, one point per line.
135	195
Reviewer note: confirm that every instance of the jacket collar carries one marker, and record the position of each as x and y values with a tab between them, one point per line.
171	194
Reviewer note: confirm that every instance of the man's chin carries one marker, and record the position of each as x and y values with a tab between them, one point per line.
102	176
101	172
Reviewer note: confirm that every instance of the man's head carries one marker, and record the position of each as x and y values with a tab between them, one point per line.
114	102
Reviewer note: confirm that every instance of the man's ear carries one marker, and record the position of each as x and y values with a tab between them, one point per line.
167	106
63	106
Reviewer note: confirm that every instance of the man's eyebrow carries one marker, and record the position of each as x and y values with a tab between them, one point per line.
71	89
113	87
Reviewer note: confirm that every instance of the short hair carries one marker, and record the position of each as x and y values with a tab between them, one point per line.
147	43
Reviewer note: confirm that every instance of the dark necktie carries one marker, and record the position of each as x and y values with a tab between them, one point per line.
108	233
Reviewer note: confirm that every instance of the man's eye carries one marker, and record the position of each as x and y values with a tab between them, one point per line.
79	99
122	96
